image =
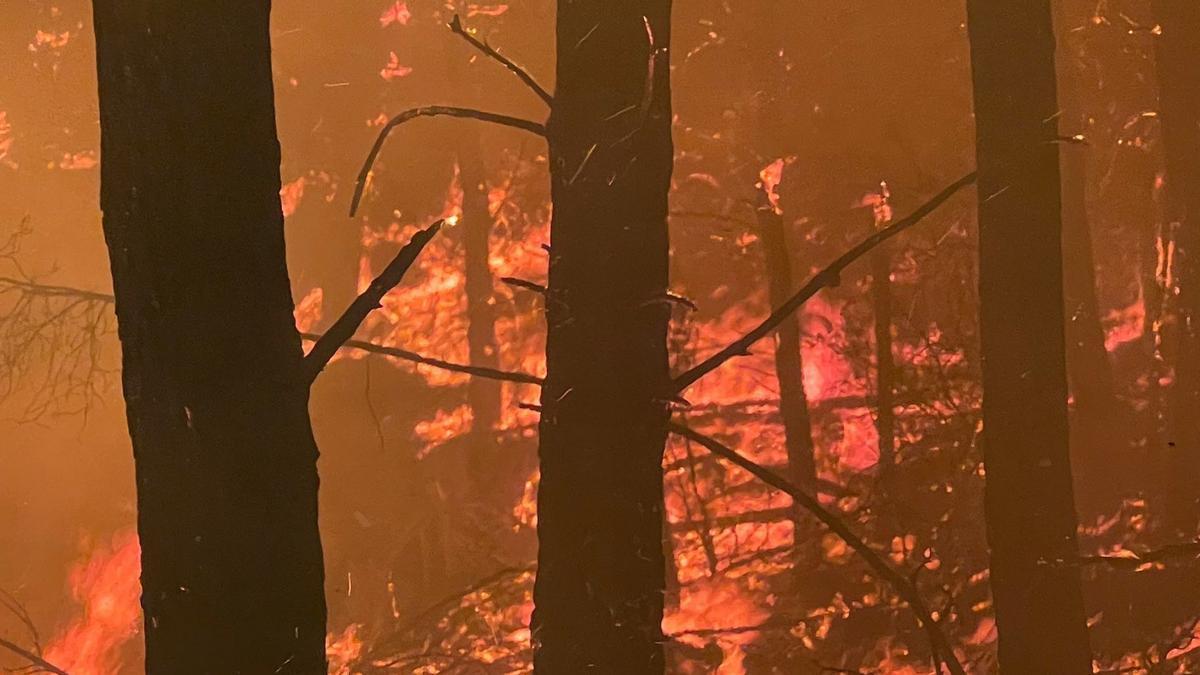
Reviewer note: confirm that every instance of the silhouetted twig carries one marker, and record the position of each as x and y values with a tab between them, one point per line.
941	648
523	283
347	324
362	345
404	354
34	659
826	278
433	111
456	26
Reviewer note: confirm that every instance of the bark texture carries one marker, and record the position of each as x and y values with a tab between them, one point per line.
599	591
232	577
1030	507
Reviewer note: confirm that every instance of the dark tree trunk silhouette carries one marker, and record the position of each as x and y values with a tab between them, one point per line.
482	394
885	364
1088	368
232	578
1178	57
789	365
765	37
1030	507
599	591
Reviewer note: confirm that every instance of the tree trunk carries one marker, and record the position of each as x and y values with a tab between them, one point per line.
483	394
789	365
599	590
232	578
1178	56
1030	507
1088	368
885	364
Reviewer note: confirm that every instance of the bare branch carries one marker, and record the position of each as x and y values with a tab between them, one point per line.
362	345
826	278
940	645
37	661
396	352
347	324
44	290
456	26
433	111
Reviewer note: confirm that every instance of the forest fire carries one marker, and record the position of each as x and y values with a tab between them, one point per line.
888	444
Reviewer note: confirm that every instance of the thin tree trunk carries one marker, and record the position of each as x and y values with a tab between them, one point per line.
789	365
1088	367
482	394
599	591
232	578
1030	509
885	365
1178	56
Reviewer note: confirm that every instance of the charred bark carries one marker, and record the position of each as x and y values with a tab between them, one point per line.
232	577
1178	57
599	591
1029	507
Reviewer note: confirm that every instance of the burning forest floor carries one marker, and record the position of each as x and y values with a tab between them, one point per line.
429	525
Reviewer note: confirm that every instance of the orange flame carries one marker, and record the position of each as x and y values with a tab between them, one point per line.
107	588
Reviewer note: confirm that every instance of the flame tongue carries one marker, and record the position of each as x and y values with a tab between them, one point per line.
107	588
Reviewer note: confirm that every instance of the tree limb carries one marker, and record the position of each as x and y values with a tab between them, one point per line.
940	645
456	27
347	324
362	345
826	278
404	354
37	661
433	111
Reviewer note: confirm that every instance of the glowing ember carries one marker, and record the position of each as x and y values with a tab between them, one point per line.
393	70
486	10
343	650
290	196
396	13
308	310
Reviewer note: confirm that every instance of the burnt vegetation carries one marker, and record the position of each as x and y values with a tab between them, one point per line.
767	339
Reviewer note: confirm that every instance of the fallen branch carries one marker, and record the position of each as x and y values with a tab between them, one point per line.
940	645
826	278
347	324
37	661
456	27
433	111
